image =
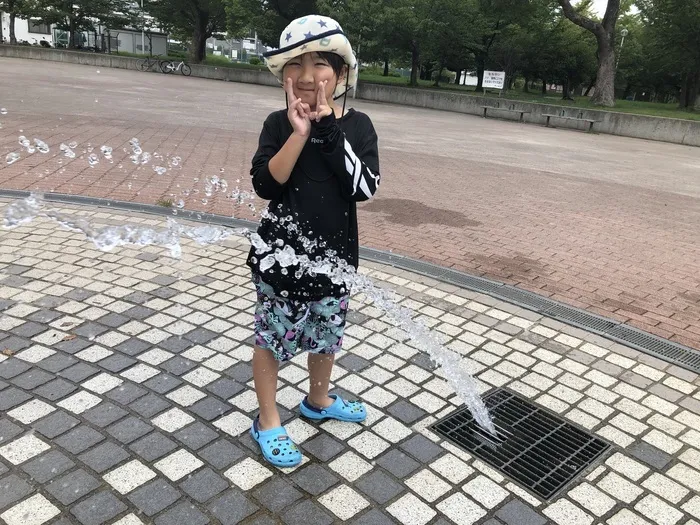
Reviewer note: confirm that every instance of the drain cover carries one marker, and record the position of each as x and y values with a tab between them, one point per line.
539	451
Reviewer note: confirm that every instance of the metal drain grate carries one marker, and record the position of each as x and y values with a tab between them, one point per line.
650	344
539	451
579	318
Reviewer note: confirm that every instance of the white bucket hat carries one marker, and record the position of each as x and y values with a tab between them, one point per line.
313	34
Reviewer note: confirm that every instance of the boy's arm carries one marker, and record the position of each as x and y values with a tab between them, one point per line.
272	165
357	168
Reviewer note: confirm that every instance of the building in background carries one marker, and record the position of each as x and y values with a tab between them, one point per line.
237	49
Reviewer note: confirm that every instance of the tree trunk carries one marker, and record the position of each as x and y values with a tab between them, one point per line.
458	76
480	67
526	87
690	90
2	37
566	92
414	64
544	87
199	38
386	67
590	86
605	78
71	33
437	80
13	38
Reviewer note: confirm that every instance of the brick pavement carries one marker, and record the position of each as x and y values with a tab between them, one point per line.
604	223
126	398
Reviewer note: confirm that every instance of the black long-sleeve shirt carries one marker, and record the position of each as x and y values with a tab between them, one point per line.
338	167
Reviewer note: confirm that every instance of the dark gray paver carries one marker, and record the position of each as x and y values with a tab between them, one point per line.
56	389
176	344
126	393
15	344
210	408
323	447
79	439
232	507
79	372
277	495
133	346
57	362
204	485
200	336
183	513
196	435
98	509
241	372
354	363
90	330
314	479
650	455
47	466
104	414
12	367
12	489
421	448
224	388
29	329
515	512
379	486
117	362
32	379
308	513
150	405
72	346
129	429
113	320
178	365
154	446
398	463
11	397
406	412
373	517
55	424
8	430
72	486
104	456
221	454
154	497
162	383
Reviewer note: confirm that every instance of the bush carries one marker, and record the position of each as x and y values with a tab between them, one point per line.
217	60
255	61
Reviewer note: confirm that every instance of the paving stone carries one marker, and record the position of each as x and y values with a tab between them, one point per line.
79	439
139	312
57	362
164	292
314	479
29	329
184	513
354	363
56	389
138	297
129	429
221	454
12	489
79	294
154	497
78	372
210	408
90	330
31	379
231	508
406	412
103	457
162	383
6	304
98	509
636	380
72	486
323	447
200	336
176	344
116	363
178	365
666	393
55	424
380	487
373	517
133	346
8	430
204	485
421	448
12	397
307	512
242	372
196	435
154	446
104	414
650	455
149	406
44	316
224	388
12	367
277	494
398	463
126	393
163	280
47	466
113	320
423	361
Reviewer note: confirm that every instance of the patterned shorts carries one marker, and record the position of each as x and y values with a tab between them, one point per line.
288	327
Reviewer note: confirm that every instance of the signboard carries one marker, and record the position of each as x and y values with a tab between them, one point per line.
494	79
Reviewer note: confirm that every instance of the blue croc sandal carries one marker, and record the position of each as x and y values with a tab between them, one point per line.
276	446
342	410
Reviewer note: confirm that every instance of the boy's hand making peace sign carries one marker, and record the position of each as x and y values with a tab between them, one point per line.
300	114
323	109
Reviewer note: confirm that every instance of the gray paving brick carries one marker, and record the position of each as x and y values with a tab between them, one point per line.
6	304
154	446
73	486
204	485
199	279
113	320
72	346
154	497
691	404
3	385
323	447
354	363
164	292
607	368
57	362
314	479
50	301
12	367
129	429
178	365
493	521
8	430
176	344
63	521
421	448
423	361
653	362
11	397
221	454
184	513
47	466
139	313
56	389
32	379
224	388
196	435
98	509
29	329
276	495
90	330
138	297
682	373
3	469
200	336
133	346
45	316
515	512
117	362
406	411
231	508
150	405
16	269
15	281
78	372
379	486
210	408
666	393
79	439
398	463
373	517
650	455
485	320
163	280
162	383
263	520
126	393
636	380
104	456
12	489
508	328
562	349
79	294
307	512
55	424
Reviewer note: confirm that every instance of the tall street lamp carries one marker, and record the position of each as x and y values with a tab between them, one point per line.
624	33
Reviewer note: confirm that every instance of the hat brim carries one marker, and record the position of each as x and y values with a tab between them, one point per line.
332	41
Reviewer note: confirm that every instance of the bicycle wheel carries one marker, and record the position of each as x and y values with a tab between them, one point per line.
142	65
186	70
166	66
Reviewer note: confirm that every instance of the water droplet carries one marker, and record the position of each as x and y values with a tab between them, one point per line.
175	161
42	146
72	145
93	159
180	204
11	158
106	151
3	111
204	201
160	170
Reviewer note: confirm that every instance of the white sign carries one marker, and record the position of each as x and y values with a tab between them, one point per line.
494	79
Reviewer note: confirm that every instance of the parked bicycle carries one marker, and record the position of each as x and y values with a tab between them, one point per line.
146	64
169	66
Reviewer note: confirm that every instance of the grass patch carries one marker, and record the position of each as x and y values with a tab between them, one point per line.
164	202
654	109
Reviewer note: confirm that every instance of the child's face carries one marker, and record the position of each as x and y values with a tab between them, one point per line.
306	71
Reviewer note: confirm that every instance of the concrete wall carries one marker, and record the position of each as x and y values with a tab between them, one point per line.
639	126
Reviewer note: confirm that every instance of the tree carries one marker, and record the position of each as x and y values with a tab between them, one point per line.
604	33
15	9
195	20
267	18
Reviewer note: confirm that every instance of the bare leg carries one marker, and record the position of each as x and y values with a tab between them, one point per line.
265	369
320	368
